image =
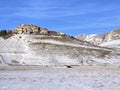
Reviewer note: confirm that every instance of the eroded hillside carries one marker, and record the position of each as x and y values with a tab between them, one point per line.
23	49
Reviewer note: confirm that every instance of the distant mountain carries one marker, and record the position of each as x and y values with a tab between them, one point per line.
111	44
98	39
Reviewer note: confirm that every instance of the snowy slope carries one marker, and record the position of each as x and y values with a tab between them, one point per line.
41	50
111	44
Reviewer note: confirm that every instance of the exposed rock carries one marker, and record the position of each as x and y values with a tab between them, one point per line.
27	29
33	29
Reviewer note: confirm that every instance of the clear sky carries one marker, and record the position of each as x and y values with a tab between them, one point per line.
73	17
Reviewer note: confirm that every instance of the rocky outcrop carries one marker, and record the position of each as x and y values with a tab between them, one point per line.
33	29
27	29
100	38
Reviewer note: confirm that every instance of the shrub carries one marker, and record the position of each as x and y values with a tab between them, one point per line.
3	32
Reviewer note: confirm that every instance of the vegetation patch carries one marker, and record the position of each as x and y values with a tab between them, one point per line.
104	53
5	34
62	39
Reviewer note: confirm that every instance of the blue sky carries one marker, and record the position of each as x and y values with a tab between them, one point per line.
73	17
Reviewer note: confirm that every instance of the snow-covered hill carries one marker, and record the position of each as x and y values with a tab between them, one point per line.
23	49
34	45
